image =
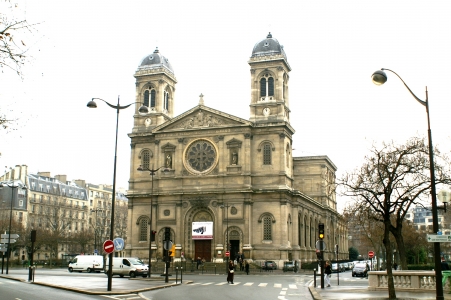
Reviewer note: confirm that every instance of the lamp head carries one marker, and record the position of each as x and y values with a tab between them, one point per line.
92	104
444	196
379	77
143	109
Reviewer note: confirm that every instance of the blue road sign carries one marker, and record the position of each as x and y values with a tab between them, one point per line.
119	244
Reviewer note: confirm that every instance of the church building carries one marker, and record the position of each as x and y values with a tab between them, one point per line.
223	183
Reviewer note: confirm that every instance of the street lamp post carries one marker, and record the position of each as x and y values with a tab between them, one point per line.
227	231
379	77
8	249
152	172
96	228
118	107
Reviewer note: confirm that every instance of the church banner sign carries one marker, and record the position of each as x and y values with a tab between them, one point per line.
202	231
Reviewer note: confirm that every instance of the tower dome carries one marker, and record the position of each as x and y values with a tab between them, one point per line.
154	61
268	46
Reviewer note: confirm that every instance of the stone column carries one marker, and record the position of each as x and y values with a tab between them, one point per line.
177	162
283	223
246	154
223	157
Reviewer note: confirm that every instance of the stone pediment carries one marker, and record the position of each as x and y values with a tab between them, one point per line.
201	117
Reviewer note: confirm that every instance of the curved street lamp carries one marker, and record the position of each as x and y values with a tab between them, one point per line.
227	231
118	107
380	77
152	172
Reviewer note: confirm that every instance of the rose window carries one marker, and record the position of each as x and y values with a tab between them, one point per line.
200	157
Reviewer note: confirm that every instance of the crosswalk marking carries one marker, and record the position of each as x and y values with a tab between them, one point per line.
250	284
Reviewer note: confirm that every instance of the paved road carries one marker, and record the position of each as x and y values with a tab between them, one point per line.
269	287
262	285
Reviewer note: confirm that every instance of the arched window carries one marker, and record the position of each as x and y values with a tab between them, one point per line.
143	230
146	98
270	86
145	159
152	98
150	93
267	87
267	228
267	154
166	100
263	87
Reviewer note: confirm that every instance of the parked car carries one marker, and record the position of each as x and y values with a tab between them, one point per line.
336	268
88	263
269	265
344	266
360	269
288	266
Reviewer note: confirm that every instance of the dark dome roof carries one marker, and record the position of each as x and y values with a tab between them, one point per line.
155	60
268	46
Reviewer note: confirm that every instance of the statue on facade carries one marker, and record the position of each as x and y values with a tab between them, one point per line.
234	158
169	161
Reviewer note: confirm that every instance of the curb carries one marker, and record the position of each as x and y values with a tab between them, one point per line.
87	292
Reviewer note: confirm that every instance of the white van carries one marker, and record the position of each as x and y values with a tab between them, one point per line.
88	263
127	266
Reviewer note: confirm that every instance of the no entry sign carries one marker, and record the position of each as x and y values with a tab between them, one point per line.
108	246
370	254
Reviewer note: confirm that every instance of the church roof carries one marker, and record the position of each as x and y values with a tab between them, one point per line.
268	46
155	60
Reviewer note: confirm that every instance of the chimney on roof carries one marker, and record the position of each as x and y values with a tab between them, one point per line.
62	178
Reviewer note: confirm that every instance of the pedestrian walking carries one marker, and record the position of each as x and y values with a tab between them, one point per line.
327	272
199	262
246	266
230	272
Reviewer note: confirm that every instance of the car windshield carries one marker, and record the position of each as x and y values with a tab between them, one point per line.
360	266
136	261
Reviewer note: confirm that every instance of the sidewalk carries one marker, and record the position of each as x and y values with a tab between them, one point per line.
358	292
97	285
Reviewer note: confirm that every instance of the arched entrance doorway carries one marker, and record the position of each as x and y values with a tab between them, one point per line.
202	247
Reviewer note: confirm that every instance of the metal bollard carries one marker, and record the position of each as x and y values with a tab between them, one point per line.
314	278
181	275
215	269
176	274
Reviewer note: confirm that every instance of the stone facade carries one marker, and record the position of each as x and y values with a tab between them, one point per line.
237	175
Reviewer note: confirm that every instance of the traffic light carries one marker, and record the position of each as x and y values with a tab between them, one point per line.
167	233
172	251
321	231
152	235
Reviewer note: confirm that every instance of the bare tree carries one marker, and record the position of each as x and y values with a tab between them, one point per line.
14	31
388	183
15	35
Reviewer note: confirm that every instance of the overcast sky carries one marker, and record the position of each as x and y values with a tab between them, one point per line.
86	49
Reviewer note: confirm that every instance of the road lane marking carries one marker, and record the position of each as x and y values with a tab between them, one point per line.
263	284
293	286
207	283
277	285
221	283
248	283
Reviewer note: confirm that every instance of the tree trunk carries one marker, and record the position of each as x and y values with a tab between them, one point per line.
389	256
397	233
